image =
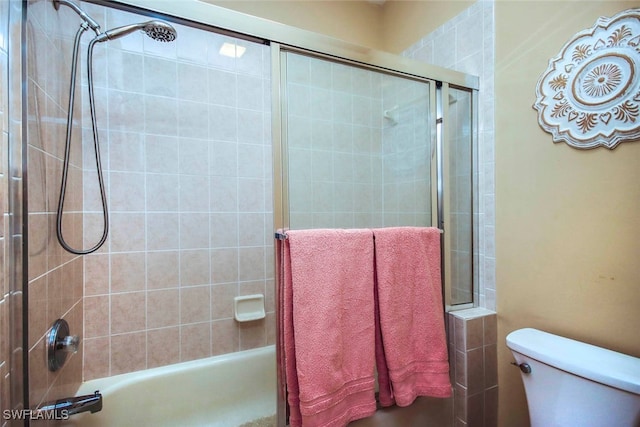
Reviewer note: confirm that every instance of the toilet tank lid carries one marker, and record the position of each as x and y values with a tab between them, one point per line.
595	363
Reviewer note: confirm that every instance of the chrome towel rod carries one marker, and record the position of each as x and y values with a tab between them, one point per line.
283	235
280	236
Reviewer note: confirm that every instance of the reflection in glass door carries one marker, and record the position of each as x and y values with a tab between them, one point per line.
360	147
459	199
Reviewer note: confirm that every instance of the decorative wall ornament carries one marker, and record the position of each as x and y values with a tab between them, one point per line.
589	96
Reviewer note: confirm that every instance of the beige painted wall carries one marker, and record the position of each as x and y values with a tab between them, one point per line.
405	22
354	21
567	220
392	26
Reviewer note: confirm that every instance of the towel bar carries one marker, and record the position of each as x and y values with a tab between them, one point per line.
283	235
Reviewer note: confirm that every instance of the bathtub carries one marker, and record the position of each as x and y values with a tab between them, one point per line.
221	391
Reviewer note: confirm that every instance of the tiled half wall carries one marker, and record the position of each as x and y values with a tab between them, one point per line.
466	43
474	367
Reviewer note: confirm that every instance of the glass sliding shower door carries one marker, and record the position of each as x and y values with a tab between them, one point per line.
360	146
459	198
360	150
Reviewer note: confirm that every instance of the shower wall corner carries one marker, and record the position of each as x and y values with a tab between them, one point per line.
53	278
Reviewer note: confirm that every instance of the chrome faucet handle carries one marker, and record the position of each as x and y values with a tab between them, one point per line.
60	344
69	344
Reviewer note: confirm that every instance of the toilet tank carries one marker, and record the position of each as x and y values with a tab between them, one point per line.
572	383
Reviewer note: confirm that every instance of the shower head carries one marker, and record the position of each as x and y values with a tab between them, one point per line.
160	31
157	30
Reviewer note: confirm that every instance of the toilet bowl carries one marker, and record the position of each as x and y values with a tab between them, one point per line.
570	383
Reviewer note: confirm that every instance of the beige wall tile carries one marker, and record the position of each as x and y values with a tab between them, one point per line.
194	230
195	304
252	334
127	232
225	336
222	300
96	316
128	352
251	263
194	267
161	346
96	357
163	231
163	308
128	272
163	269
224	265
96	275
195	341
474	333
38	320
128	312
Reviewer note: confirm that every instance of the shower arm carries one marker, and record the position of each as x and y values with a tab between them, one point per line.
89	20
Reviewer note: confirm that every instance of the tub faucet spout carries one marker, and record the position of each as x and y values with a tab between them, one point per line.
74	405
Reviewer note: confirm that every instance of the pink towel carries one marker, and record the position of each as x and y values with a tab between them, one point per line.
329	326
411	345
287	362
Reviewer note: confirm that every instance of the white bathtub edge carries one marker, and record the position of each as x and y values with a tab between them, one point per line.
109	385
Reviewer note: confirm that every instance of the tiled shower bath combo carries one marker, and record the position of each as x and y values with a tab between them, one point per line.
186	150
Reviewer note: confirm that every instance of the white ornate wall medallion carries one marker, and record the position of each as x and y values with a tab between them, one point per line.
589	96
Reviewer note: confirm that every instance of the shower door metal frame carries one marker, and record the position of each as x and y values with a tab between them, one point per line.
203	15
439	132
280	215
444	190
280	162
282	38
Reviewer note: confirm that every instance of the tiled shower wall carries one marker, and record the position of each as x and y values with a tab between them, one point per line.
189	205
348	165
55	276
185	133
334	134
407	154
466	43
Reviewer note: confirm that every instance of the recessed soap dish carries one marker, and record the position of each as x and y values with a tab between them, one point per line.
249	307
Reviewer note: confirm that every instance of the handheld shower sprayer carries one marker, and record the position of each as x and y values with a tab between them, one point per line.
157	30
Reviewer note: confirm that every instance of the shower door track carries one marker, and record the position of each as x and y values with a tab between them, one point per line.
214	18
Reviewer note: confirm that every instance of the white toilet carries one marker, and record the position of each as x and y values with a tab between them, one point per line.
569	383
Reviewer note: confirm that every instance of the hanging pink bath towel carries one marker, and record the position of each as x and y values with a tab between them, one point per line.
329	326
411	344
